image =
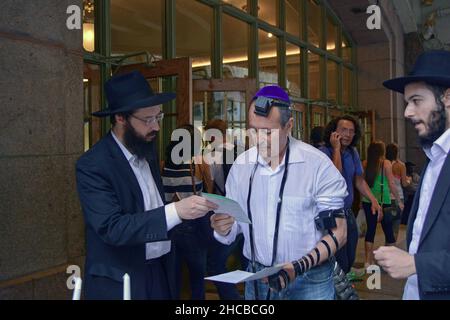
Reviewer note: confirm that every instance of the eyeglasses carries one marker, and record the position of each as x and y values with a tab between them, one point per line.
149	121
350	132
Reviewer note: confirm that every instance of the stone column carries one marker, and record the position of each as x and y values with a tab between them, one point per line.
41	136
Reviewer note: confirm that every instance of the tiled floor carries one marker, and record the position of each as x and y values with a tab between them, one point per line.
390	289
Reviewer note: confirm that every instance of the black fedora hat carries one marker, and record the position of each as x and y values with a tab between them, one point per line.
432	67
128	92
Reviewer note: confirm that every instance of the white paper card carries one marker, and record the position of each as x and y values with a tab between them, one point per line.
239	276
228	206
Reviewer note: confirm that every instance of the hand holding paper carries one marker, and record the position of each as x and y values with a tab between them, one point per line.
228	206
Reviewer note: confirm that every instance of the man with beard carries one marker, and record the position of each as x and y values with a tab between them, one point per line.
121	195
427	263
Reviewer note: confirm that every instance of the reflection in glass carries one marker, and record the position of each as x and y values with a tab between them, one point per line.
293	69
136	26
235	48
267	55
193	38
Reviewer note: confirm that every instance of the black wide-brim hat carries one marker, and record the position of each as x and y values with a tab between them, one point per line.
431	67
128	92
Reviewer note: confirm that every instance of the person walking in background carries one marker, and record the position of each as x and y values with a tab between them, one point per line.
341	136
182	180
218	253
379	177
401	180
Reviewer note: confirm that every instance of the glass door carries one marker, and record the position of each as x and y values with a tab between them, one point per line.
225	99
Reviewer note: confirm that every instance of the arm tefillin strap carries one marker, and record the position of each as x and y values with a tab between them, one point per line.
275	282
326	220
336	242
318	255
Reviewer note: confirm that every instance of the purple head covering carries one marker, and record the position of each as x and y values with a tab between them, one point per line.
273	92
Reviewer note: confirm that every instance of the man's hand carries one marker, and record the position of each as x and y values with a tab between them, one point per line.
222	223
194	207
398	263
289	268
377	209
335	141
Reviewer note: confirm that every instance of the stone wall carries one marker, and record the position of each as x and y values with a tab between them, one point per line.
378	61
41	136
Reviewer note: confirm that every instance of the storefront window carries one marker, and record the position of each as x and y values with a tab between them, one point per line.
332	77
314	23
268	71
347	87
89	25
235	49
293	69
193	35
92	99
314	78
268	11
331	36
136	26
240	4
293	18
346	50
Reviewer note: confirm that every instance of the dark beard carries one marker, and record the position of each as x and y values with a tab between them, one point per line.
136	144
436	127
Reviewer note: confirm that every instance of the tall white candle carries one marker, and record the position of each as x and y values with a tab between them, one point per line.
126	287
77	289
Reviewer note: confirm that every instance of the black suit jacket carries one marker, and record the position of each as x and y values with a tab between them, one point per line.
433	255
117	227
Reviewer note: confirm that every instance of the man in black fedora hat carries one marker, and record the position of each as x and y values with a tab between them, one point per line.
121	194
426	264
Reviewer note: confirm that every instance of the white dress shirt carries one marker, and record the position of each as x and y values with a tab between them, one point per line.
437	155
152	199
313	185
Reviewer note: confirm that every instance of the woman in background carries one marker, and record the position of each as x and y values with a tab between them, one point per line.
379	177
401	180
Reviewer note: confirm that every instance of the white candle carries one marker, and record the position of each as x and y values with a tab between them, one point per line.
77	289
126	287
